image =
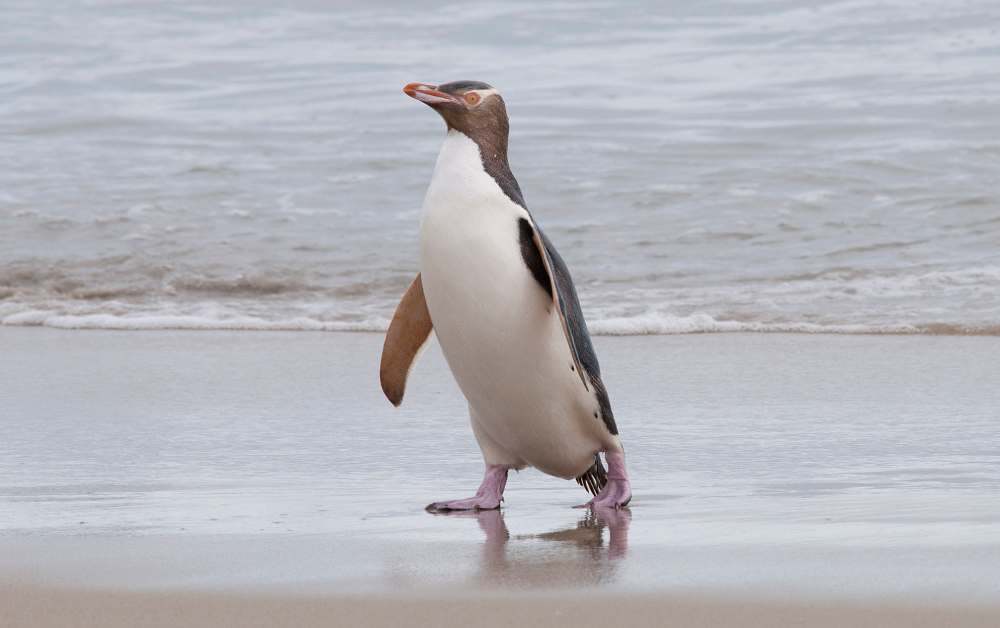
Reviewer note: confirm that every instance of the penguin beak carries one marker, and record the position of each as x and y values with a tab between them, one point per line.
428	94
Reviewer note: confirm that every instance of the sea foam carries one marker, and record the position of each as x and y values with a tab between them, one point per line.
650	323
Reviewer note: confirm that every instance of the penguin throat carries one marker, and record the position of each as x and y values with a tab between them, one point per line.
493	154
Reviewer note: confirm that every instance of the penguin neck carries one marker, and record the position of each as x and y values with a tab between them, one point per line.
493	155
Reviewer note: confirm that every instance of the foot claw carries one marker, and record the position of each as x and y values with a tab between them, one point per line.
615	504
616	494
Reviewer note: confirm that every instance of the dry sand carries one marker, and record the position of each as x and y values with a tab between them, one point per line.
61	608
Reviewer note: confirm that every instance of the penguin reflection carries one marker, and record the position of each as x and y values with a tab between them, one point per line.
569	557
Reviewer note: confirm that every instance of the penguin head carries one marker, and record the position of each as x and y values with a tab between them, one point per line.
472	107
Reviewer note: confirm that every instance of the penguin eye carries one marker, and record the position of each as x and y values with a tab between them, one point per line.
472	98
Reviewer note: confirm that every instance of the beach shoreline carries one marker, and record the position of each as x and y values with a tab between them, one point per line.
239	476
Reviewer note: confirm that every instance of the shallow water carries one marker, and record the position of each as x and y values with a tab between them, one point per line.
818	466
718	166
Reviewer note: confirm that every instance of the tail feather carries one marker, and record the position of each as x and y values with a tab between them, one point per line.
594	478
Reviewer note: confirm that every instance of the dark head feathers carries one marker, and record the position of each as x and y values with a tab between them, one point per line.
475	109
456	88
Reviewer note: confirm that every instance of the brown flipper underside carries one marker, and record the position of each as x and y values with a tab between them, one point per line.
409	331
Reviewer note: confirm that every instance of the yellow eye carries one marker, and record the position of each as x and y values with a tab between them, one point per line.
472	98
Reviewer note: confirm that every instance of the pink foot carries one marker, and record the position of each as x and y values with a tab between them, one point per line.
617	492
488	497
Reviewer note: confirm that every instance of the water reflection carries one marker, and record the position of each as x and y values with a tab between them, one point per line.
574	556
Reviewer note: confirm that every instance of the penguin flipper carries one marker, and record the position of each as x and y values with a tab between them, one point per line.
408	333
551	273
557	291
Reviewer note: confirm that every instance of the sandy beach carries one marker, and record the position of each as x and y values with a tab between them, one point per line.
238	478
44	608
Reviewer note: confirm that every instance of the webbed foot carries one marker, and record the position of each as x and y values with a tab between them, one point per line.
488	497
470	503
617	493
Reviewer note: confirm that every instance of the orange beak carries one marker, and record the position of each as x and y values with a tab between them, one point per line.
428	94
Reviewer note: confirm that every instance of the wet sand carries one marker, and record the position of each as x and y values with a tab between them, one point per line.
172	478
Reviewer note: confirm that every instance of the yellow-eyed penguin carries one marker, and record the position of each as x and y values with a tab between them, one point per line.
506	314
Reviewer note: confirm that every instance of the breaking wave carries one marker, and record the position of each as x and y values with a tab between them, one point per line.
110	321
651	323
665	324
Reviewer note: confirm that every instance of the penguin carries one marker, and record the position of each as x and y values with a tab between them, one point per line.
503	305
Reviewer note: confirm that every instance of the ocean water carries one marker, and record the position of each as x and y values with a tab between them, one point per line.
711	166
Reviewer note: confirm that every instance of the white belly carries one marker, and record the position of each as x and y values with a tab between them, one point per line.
498	329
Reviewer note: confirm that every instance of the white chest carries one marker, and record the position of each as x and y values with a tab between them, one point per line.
470	256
